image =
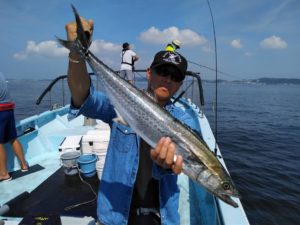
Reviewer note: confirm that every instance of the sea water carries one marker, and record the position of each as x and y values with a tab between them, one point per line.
258	134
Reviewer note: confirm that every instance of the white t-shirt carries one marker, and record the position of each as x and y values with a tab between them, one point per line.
127	57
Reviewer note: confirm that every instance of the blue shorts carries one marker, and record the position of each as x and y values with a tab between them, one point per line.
7	126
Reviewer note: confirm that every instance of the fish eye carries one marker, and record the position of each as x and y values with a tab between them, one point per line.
225	185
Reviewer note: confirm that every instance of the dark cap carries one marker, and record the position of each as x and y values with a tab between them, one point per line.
170	58
125	45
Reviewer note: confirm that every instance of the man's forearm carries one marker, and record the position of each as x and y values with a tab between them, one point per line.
78	79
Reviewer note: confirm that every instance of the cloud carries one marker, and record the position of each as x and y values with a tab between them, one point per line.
186	36
52	49
99	46
108	52
45	48
236	43
273	42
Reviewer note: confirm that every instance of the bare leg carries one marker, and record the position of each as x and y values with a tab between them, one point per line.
19	152
3	171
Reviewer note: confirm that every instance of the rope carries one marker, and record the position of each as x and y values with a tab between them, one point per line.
82	203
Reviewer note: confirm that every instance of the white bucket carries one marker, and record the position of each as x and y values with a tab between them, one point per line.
69	161
100	165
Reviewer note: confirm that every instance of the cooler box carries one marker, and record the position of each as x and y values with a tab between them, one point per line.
70	143
96	142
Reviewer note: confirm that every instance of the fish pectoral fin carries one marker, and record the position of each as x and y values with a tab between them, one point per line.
67	44
120	119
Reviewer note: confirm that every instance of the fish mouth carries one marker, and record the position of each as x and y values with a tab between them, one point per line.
234	193
229	200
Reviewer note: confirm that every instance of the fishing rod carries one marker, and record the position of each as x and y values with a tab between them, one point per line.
216	70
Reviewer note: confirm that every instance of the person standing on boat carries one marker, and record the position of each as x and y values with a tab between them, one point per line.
139	184
8	133
173	46
127	64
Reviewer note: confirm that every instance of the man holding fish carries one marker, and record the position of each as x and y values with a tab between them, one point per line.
138	187
130	190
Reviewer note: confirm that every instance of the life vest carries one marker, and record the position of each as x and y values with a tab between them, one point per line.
132	61
7	106
170	48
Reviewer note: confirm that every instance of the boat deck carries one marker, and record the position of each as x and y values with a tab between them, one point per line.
55	194
47	190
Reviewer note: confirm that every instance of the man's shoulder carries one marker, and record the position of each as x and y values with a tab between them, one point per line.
131	52
178	112
184	117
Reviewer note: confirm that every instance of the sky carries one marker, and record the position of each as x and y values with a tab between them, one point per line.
257	38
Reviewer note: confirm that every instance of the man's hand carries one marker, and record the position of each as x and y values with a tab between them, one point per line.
163	154
88	27
78	78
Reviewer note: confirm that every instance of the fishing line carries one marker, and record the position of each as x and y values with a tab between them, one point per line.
212	69
216	70
82	203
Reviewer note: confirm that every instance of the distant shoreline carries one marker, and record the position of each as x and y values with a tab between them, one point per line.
262	81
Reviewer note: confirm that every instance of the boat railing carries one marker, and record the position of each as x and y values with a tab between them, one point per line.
48	90
191	88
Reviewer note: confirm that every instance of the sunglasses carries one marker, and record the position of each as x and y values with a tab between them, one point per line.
165	71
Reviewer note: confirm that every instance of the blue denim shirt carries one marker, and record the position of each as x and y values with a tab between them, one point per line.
121	165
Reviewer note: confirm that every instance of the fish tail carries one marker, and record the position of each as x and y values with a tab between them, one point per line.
81	44
81	35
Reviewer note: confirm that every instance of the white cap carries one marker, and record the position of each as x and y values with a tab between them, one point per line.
177	43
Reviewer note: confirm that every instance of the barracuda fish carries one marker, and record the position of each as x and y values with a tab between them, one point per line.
151	122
